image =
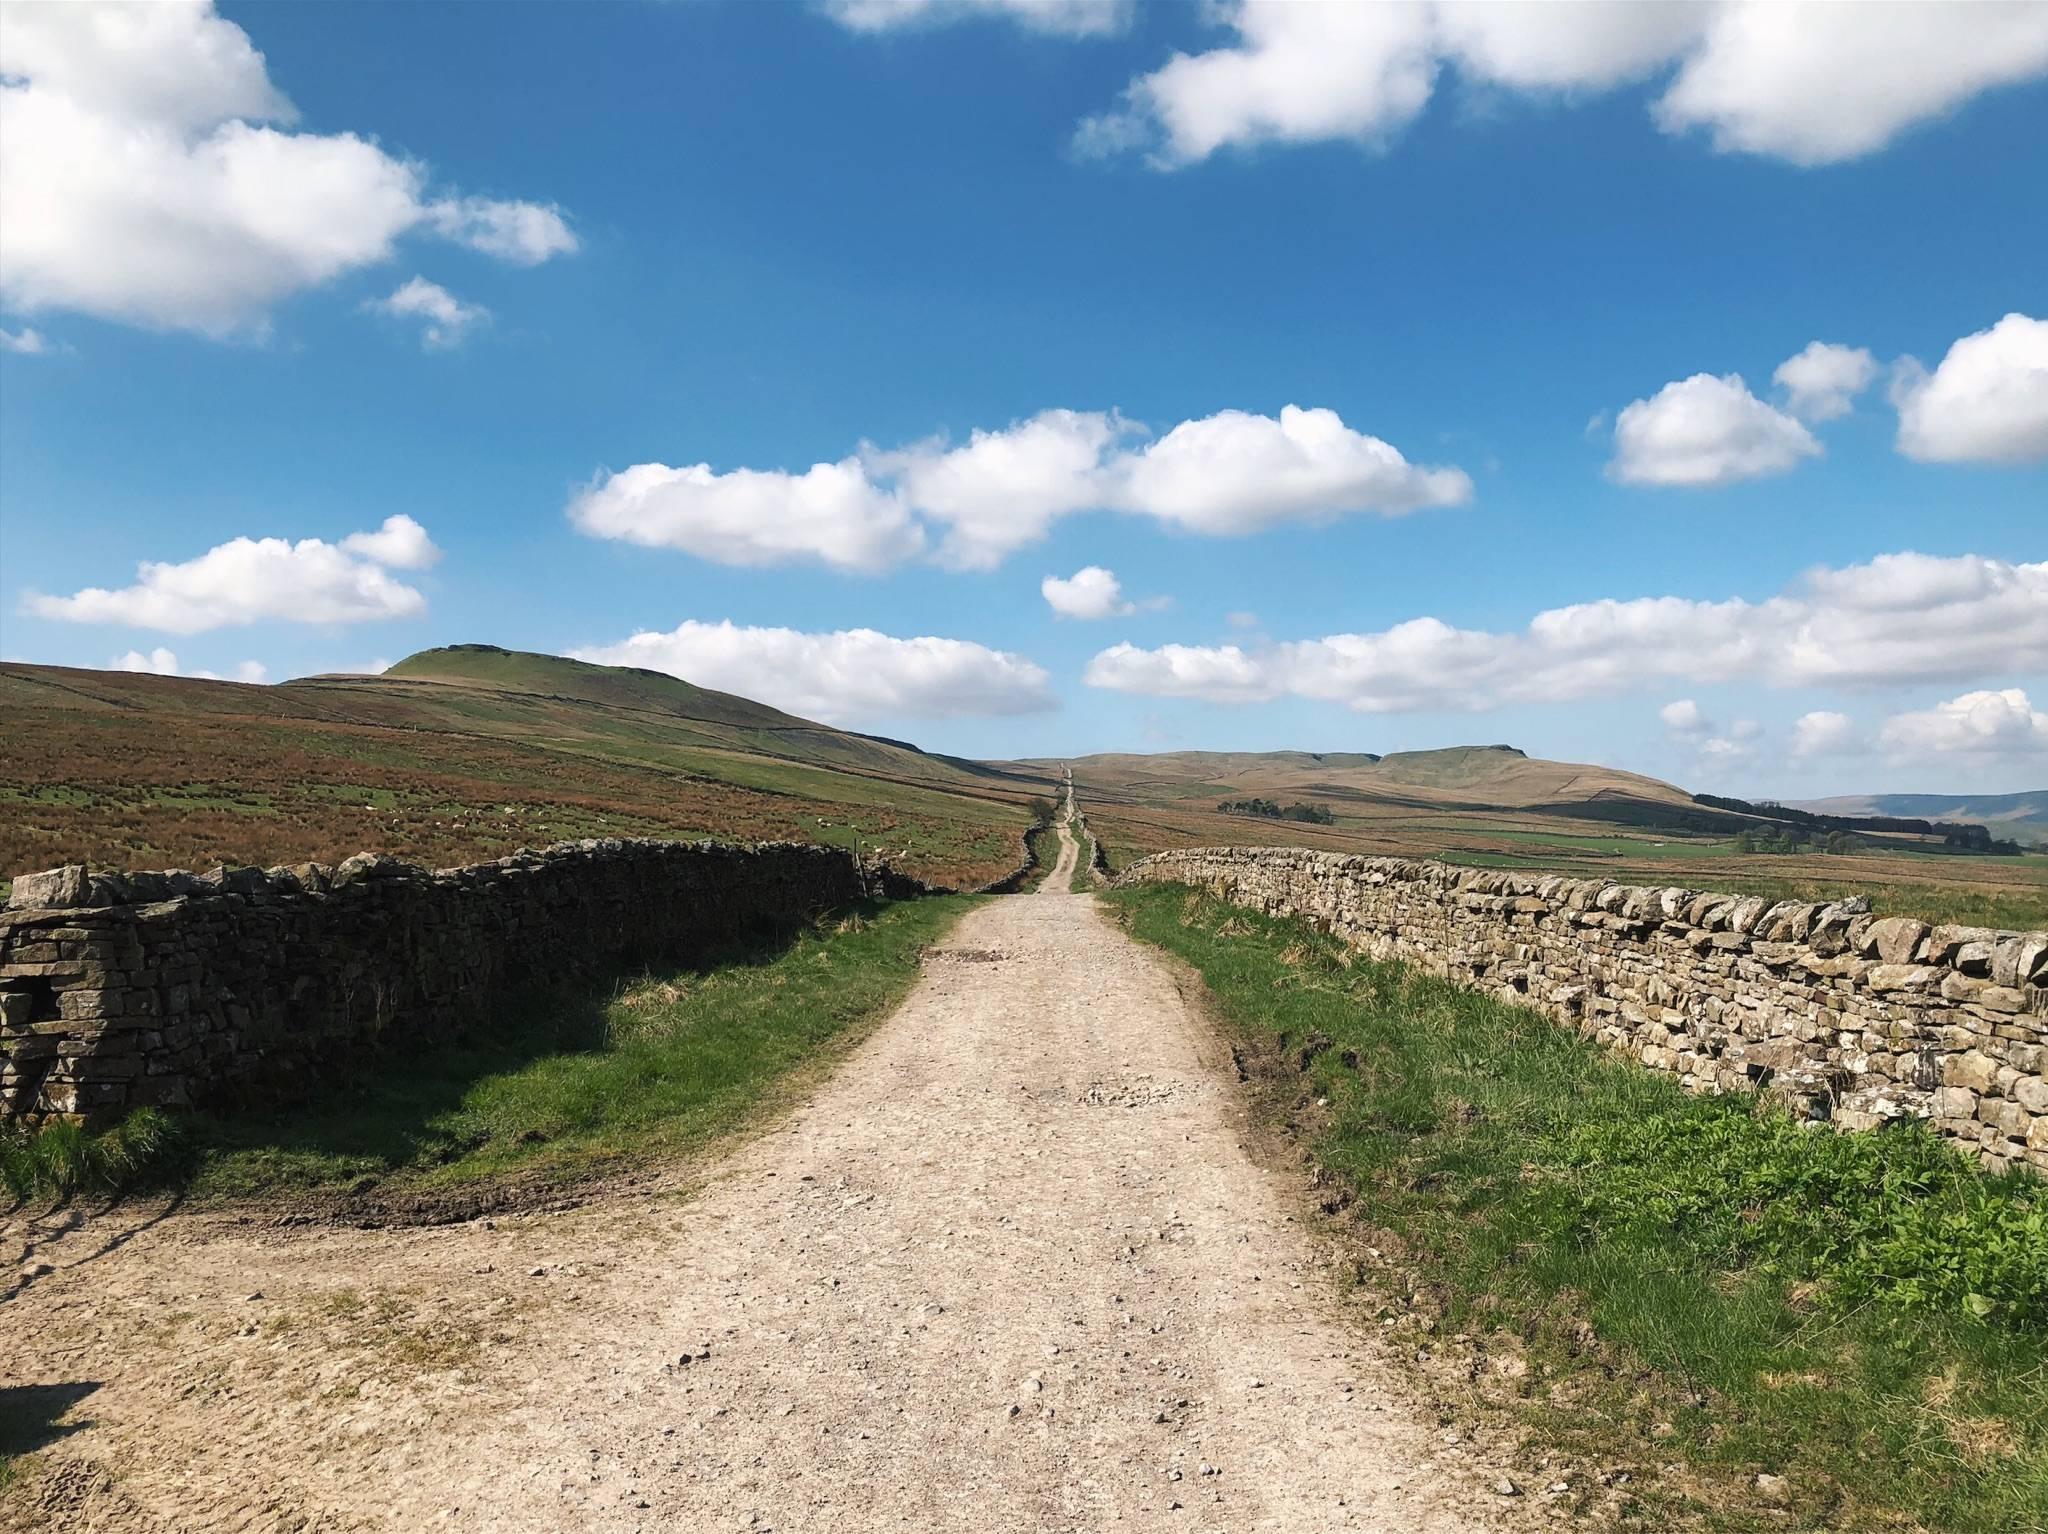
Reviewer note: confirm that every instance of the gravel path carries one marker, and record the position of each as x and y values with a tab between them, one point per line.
1010	1269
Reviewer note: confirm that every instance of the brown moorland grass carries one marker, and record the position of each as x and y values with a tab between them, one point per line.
2010	892
157	772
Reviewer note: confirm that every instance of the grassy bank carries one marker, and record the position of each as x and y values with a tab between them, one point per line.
561	1085
1044	843
1695	1288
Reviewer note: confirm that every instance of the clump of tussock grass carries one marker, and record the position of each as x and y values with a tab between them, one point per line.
60	1159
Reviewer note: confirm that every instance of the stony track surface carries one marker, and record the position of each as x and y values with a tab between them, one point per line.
1011	1268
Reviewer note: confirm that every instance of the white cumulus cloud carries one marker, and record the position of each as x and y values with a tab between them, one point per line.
1236	472
1975	724
832	514
1808	83
1822	381
163	662
149	175
1682	716
249	580
400	543
1217	673
1820	83
26	342
972	505
1986	403
1702	431
1002	490
445	319
524	233
843	677
157	662
1090	592
1823	732
1057	18
1899	618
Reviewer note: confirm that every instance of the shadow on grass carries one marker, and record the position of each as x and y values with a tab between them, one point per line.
561	1081
398	1109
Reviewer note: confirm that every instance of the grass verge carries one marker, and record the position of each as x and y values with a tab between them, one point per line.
60	1160
564	1084
1044	843
1694	1288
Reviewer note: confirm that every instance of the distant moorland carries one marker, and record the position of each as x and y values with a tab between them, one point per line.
1492	806
470	751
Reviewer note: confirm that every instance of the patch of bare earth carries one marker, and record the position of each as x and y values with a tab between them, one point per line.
1011	1268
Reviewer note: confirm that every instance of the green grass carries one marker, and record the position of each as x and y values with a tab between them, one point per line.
1084	857
2012	910
559	1086
1697	1284
1044	843
1652	848
565	1085
61	1160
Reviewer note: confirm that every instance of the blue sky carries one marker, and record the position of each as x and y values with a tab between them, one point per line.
571	252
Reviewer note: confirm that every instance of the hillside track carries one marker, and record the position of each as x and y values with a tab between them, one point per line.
1061	880
1011	1268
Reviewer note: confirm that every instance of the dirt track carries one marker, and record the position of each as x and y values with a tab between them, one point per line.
1010	1269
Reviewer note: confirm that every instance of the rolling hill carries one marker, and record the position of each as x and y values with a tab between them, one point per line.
1496	806
1481	776
2021	816
470	751
459	753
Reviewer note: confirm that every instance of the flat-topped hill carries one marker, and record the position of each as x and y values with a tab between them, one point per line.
1497	775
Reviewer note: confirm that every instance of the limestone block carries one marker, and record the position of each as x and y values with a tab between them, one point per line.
1895	939
54	889
1956	1103
1972	1069
2006	959
1902	977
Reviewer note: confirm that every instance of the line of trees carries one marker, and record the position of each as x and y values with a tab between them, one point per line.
1809	827
1269	809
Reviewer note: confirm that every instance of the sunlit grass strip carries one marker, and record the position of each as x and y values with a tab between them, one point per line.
558	1084
1696	1278
59	1159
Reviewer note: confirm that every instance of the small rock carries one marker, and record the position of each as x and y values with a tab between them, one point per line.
1773	1488
1506	1487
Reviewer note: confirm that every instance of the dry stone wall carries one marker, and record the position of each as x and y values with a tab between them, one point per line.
1851	1018
118	990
